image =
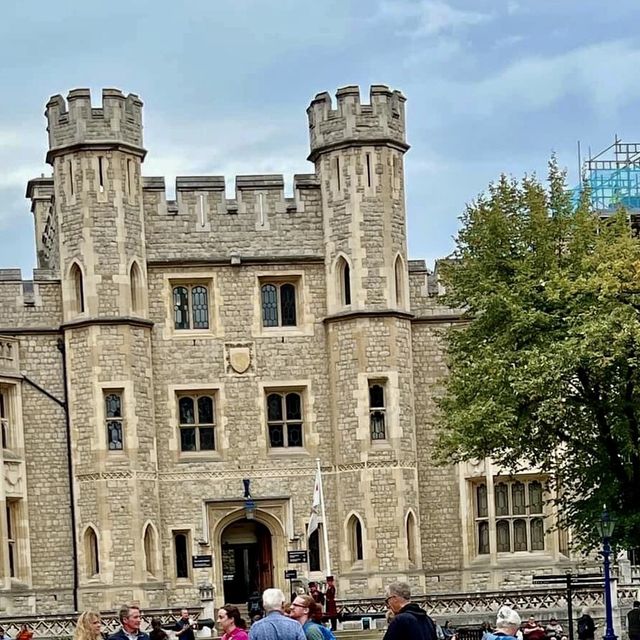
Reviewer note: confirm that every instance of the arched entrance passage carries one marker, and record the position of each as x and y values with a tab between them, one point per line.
247	560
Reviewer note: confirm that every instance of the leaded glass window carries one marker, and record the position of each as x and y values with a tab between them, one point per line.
517	498
377	411
502	499
4	419
517	509
285	420
114	420
535	497
483	537
279	304
503	539
519	535
197	422
481	500
190	307
537	534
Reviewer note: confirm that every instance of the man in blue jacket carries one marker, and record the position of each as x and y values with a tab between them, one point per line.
130	620
275	625
409	621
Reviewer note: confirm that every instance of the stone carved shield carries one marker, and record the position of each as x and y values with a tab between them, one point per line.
240	358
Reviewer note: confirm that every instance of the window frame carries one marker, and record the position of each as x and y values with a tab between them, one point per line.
187	536
285	421
355	533
6	418
195	395
514	523
92	553
383	409
278	282
106	393
190	285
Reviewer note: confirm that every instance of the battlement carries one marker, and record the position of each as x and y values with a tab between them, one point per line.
74	122
245	188
381	121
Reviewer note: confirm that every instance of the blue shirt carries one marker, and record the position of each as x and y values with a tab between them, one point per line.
276	626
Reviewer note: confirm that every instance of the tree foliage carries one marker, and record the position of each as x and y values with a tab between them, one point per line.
547	370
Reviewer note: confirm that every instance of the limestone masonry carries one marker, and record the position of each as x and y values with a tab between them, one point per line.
165	350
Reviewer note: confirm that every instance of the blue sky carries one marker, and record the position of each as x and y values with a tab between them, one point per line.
492	86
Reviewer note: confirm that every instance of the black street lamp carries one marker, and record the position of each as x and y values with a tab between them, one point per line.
249	504
605	529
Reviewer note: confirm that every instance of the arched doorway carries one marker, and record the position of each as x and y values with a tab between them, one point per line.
247	560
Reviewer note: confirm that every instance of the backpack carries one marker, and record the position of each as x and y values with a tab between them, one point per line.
327	634
583	628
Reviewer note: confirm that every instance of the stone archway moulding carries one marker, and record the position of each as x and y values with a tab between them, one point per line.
272	513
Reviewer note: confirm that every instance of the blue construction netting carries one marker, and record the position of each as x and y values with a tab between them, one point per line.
612	183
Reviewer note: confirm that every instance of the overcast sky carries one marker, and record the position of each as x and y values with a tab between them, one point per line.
491	85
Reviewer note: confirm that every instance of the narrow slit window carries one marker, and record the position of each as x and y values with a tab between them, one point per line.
346	277
368	169
91	552
11	538
4	420
338	174
78	289
101	173
180	546
70	167
129	177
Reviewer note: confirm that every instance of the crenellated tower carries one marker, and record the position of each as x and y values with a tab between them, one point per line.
96	154
358	154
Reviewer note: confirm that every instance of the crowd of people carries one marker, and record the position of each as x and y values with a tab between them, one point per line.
304	618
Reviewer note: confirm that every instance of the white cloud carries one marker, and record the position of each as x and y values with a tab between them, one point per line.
428	18
605	74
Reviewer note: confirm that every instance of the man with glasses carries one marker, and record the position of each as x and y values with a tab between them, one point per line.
409	621
302	610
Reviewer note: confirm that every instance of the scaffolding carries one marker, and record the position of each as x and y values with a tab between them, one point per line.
613	179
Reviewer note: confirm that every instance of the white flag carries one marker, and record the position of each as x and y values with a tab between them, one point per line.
315	506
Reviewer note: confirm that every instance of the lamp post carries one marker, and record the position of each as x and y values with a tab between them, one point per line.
249	504
605	529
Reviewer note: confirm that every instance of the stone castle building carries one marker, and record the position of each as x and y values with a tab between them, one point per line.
166	350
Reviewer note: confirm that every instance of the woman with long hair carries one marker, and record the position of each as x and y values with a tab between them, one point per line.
232	625
157	632
88	627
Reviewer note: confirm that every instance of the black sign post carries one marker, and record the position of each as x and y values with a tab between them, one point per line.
290	575
201	562
571	582
297	557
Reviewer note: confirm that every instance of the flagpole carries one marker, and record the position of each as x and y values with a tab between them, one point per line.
324	523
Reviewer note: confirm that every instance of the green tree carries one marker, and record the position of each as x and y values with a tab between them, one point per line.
546	371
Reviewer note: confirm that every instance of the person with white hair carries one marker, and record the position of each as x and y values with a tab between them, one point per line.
507	625
275	625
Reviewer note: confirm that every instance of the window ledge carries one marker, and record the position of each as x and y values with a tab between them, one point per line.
190	334
284	452
9	454
188	458
18	585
